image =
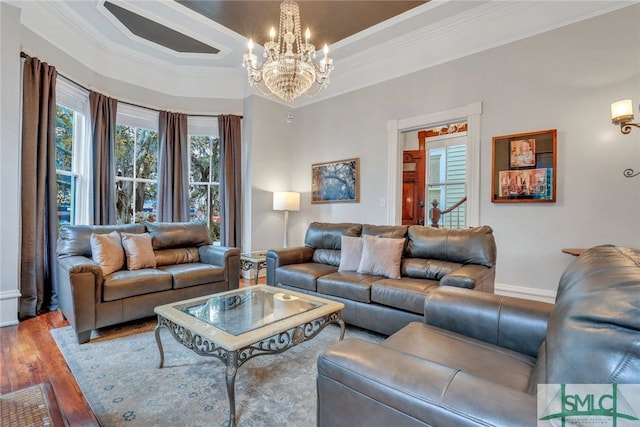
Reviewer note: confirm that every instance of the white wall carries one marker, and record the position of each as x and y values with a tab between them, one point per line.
565	79
9	173
269	170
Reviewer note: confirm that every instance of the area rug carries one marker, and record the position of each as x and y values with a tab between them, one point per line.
117	372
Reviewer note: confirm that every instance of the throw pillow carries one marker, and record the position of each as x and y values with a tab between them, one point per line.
381	256
350	253
106	250
139	251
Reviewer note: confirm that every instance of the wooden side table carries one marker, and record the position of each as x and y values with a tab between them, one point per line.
255	261
573	251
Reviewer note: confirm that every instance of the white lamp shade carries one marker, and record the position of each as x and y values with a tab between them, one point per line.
621	111
286	201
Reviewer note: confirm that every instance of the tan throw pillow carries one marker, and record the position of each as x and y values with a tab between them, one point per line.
381	256
139	251
350	253
106	250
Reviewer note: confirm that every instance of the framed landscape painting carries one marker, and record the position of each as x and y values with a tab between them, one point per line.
336	182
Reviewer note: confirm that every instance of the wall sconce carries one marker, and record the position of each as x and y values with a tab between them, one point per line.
286	201
622	114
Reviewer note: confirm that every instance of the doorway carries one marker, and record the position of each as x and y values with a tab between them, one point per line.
471	113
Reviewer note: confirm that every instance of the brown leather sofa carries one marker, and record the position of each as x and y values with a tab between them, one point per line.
91	300
431	258
478	358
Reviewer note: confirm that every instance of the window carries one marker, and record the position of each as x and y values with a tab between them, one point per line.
447	176
204	173
71	166
136	165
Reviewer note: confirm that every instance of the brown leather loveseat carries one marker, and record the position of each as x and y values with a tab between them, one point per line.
386	285
164	262
478	359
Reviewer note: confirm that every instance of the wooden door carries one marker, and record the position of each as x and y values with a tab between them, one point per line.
413	187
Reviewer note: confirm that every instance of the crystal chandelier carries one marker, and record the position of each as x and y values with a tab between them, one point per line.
287	73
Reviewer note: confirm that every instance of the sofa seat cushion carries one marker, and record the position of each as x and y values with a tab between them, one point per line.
347	284
194	274
406	293
126	283
304	275
473	357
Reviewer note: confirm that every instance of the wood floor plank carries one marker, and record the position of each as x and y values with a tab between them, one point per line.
29	355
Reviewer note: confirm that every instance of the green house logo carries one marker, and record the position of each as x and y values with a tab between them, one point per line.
590	404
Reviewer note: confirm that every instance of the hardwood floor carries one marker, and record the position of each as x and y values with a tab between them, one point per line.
30	356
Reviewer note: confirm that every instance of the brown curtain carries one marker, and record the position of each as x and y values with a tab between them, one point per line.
230	179
103	139
39	202
173	168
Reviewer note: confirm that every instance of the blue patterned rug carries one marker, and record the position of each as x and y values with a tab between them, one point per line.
117	372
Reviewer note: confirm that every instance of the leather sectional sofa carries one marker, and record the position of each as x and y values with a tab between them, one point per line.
477	359
183	264
429	258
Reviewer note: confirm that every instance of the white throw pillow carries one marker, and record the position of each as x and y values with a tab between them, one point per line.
381	256
106	250
139	251
350	253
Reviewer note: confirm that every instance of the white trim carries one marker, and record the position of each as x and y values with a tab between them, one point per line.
543	295
9	307
471	113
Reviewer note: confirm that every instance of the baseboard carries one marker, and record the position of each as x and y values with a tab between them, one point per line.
524	292
9	308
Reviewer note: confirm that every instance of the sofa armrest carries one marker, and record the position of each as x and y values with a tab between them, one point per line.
223	256
362	383
471	276
285	256
515	323
79	281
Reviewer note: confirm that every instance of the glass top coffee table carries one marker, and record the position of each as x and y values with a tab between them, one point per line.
238	325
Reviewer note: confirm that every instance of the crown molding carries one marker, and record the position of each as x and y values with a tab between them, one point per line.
445	30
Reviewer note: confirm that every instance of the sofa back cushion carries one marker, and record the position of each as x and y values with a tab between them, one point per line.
593	334
322	235
327	256
166	235
432	269
475	245
176	256
75	240
393	231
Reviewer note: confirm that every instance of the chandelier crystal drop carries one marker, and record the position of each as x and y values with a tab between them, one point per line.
285	72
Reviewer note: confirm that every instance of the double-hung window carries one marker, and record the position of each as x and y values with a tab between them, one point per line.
204	173
136	164
72	157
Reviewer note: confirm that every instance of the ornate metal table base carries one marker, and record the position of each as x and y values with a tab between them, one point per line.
236	358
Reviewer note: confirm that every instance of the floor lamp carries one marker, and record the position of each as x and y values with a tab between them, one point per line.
286	201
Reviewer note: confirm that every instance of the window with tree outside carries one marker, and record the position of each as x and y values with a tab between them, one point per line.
204	178
65	176
136	174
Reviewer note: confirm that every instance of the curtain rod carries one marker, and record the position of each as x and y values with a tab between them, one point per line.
24	55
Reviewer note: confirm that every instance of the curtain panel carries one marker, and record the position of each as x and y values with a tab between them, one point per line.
38	191
230	177
173	167
103	137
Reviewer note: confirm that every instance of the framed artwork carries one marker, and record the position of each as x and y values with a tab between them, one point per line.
336	182
523	167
